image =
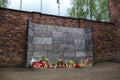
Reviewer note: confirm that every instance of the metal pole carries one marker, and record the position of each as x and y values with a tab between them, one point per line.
59	9
20	4
41	6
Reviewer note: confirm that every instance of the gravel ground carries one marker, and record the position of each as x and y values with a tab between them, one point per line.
100	71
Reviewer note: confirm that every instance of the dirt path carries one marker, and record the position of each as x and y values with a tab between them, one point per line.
100	71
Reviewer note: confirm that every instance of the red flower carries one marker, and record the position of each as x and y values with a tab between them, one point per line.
77	65
36	65
86	61
61	60
43	63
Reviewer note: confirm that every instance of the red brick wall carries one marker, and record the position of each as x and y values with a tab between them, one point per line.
13	37
13	34
114	7
55	20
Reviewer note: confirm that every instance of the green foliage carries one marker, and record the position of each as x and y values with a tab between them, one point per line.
3	3
90	9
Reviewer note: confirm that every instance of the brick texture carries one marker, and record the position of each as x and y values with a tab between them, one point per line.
13	37
114	7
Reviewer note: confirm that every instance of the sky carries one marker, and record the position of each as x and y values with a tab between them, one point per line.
48	6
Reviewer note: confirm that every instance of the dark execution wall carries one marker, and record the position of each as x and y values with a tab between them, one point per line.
58	42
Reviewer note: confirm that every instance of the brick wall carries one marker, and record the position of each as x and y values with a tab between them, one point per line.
114	7
13	37
13	34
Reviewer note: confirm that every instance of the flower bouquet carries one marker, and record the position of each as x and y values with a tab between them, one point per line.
61	63
44	62
87	62
71	63
35	63
84	63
